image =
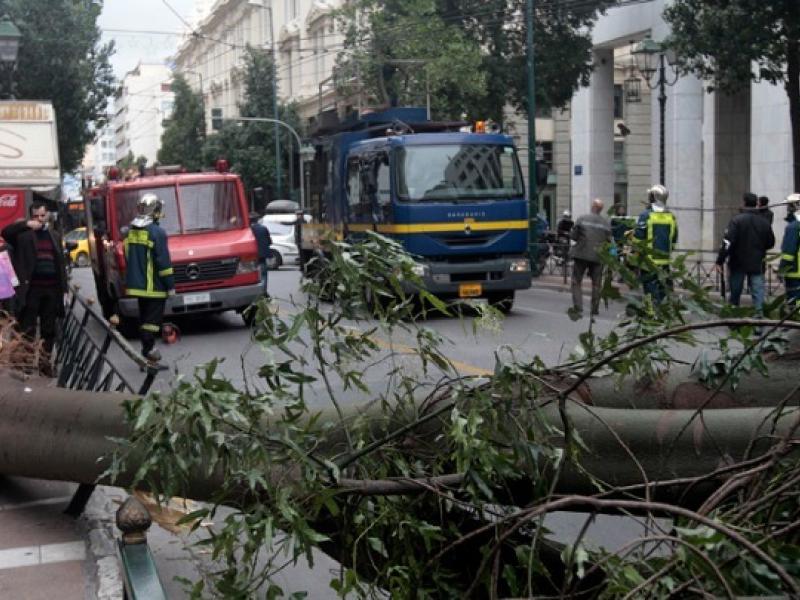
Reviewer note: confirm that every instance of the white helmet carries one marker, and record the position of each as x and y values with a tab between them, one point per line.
658	194
567	214
148	209
793	198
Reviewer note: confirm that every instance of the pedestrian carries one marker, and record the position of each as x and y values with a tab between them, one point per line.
658	228
590	233
38	260
789	267
263	241
149	276
747	239
763	209
563	227
565	224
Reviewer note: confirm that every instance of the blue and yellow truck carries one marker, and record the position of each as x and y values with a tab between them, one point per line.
455	199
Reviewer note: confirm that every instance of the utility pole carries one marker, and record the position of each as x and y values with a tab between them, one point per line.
533	200
278	177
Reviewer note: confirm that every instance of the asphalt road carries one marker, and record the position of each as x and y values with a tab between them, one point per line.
538	325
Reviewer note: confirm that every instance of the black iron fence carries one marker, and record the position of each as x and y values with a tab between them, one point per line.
82	362
554	260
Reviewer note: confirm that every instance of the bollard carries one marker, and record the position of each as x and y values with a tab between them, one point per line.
139	572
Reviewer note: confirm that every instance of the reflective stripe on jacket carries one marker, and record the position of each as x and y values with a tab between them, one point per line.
789	266
149	269
660	230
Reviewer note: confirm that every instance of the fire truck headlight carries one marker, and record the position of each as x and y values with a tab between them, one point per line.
247	266
520	265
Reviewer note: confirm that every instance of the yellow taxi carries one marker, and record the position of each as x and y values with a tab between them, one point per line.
80	255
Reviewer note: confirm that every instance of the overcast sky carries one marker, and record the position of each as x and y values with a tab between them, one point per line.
140	27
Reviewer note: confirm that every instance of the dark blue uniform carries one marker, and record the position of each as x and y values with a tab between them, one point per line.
149	277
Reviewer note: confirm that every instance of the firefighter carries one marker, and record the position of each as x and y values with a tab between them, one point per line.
789	267
149	276
659	229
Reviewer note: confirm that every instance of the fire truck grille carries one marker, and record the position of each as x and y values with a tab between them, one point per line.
205	271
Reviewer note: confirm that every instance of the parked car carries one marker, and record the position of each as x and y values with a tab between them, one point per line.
79	256
283	250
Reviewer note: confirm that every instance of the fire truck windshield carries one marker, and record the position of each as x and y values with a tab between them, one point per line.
126	206
211	206
458	172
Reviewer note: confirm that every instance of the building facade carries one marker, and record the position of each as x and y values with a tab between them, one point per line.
100	154
716	146
301	33
143	101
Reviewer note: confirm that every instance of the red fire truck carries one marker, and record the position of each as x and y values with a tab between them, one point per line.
213	250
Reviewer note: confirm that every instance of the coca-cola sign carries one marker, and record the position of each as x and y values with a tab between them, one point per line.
9	200
12	206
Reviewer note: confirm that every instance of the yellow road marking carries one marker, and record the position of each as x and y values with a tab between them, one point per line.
462	367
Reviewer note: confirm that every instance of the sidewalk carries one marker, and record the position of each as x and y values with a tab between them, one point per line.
46	554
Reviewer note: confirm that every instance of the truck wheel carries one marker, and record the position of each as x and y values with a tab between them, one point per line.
502	301
82	260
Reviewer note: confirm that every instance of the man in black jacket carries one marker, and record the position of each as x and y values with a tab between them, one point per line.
747	239
38	260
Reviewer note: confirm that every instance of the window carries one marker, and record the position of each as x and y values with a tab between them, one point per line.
544	153
210	207
126	201
451	172
290	9
619	101
384	191
319	57
619	152
353	185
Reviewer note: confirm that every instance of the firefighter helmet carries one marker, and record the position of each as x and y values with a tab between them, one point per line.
658	194
148	210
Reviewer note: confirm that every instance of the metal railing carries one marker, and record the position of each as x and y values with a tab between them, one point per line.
699	263
82	363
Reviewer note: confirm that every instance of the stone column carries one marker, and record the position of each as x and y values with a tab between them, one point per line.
684	155
593	136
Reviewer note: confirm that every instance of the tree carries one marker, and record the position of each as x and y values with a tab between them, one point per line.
182	140
438	486
476	50
249	147
394	49
562	47
732	43
61	59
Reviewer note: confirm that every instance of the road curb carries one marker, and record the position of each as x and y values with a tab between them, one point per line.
99	526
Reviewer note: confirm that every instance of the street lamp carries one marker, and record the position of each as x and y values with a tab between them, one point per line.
651	60
262	4
302	151
9	46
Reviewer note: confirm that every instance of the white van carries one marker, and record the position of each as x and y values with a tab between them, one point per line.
283	250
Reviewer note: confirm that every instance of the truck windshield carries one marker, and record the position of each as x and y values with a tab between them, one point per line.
210	206
126	207
457	171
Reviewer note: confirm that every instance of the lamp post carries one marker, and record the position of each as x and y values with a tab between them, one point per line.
533	199
651	60
302	151
9	46
268	7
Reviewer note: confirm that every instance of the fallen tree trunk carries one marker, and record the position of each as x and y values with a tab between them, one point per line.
58	434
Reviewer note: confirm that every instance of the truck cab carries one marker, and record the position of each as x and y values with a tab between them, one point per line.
211	245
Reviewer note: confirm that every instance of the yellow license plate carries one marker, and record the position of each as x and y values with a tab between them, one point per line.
469	290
